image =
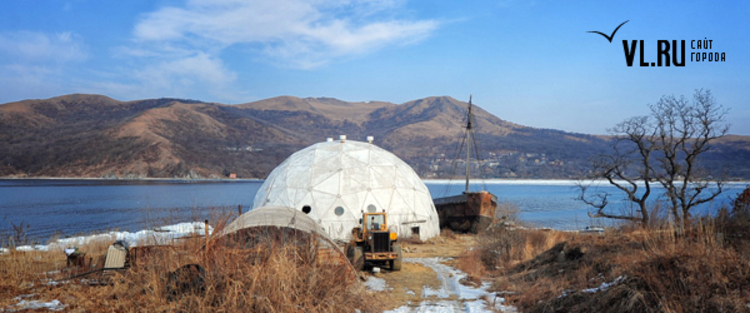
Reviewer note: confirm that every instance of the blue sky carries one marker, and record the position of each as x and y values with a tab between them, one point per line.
528	62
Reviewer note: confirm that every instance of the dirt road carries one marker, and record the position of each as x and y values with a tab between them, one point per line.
428	282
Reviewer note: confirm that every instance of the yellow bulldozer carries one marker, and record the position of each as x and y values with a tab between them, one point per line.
374	244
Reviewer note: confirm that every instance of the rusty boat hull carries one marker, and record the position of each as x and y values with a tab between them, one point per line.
468	212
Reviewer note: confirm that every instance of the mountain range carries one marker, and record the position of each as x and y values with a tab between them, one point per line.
83	135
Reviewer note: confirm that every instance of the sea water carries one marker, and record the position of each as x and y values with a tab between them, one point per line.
43	208
36	210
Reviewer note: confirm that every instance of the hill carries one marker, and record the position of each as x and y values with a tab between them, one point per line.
96	136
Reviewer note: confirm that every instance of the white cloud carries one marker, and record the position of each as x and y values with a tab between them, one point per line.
184	75
177	50
18	81
295	33
36	47
36	63
184	50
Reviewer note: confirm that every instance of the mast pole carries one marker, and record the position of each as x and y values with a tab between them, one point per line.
468	145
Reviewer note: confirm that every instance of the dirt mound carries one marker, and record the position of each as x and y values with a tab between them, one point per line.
623	297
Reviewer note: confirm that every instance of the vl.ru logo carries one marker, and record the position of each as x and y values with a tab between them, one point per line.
668	52
662	53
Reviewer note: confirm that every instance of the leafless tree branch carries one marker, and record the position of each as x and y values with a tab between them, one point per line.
662	147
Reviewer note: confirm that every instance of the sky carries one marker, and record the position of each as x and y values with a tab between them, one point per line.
532	63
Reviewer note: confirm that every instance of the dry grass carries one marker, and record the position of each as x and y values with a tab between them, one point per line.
274	276
508	243
548	271
653	270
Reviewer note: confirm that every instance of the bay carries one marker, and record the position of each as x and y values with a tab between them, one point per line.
67	207
40	209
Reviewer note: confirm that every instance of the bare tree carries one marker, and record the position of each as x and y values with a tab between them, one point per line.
627	167
685	131
661	148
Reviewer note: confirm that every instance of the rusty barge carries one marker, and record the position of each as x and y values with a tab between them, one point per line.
468	212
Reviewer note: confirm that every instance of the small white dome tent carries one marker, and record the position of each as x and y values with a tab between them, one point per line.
334	181
274	225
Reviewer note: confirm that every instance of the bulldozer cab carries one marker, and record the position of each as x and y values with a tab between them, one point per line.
375	222
372	223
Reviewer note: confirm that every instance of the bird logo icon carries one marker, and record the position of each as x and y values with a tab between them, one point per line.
613	33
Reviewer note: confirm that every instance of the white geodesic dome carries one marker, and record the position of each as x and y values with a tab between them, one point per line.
338	180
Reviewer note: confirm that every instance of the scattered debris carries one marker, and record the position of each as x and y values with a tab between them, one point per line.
591	229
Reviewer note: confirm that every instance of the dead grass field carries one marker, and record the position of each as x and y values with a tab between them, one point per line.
281	281
622	270
537	271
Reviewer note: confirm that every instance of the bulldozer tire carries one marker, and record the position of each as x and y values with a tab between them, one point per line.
358	258
396	264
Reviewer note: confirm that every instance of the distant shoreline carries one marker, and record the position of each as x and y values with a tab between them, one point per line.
540	181
136	179
492	181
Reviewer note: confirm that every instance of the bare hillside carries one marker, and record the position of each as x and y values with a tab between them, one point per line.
96	136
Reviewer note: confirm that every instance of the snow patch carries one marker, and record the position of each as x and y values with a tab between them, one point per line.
375	283
604	286
24	305
157	236
450	281
468	299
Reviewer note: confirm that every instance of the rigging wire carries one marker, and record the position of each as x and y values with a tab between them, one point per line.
461	144
479	162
